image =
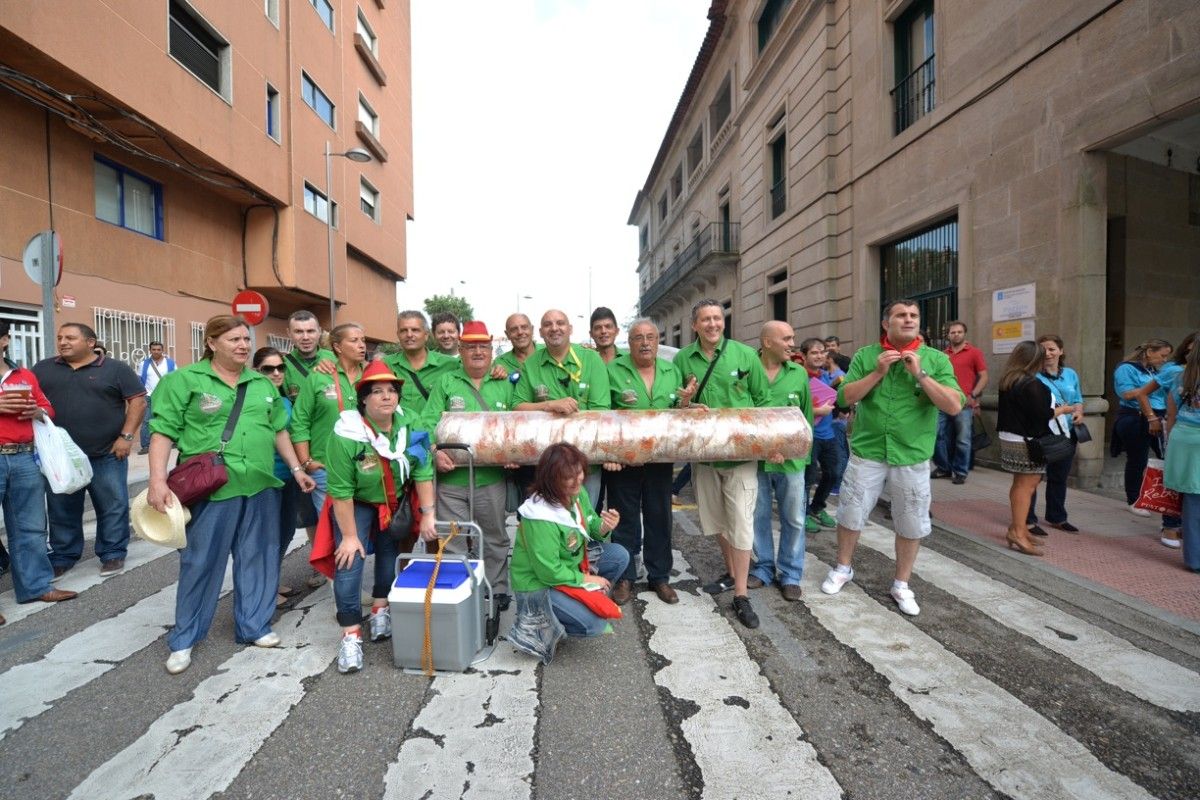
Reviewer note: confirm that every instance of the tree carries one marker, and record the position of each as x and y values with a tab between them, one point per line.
458	306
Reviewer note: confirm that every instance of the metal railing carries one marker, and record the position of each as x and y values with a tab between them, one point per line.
127	334
913	96
715	238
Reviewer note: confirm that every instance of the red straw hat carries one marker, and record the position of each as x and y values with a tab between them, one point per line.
377	371
475	331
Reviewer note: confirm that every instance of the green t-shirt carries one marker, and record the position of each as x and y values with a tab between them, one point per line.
294	377
353	470
790	388
737	379
582	376
316	410
412	399
510	363
548	553
896	423
628	390
191	407
452	394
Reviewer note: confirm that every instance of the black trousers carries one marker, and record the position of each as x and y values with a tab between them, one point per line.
642	496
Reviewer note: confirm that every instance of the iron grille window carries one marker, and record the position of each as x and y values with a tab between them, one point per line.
281	343
924	267
913	95
128	334
778	175
197	341
194	46
768	21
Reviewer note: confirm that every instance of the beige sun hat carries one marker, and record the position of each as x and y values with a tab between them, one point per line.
153	526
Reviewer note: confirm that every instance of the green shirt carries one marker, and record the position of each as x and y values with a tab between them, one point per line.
790	388
628	390
293	378
583	378
453	393
191	407
316	410
510	363
412	398
896	422
353	470
548	554
737	379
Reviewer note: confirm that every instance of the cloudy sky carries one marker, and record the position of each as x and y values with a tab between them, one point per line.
535	122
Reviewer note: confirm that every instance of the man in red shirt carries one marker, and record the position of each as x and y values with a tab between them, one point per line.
952	455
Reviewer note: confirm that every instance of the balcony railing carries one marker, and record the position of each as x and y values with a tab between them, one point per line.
913	96
714	239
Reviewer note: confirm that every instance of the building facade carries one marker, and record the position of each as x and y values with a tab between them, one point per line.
178	147
1026	167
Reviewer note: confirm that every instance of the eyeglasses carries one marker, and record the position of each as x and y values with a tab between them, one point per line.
265	368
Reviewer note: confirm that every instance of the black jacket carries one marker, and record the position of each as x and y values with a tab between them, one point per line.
1025	409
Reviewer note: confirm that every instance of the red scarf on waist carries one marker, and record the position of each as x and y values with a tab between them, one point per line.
908	348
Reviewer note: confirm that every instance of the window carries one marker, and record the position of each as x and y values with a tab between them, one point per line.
281	343
127	334
324	11
198	47
677	183
368	199
721	107
272	112
769	19
317	100
777	291
271	9
1193	199
677	336
368	35
644	238
777	152
197	341
695	151
317	204
127	199
913	95
923	266
368	117
662	207
728	306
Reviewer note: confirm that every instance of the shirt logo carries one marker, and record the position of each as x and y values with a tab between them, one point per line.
629	397
457	403
330	392
369	463
209	403
572	541
542	392
293	390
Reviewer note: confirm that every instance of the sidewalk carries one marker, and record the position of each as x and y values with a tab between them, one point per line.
1114	548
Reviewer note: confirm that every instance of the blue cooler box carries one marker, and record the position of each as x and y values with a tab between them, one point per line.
456	619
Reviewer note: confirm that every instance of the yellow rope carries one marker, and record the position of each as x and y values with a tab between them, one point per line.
427	645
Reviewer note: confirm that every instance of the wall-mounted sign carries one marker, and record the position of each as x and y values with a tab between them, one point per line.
1015	302
68	301
1007	335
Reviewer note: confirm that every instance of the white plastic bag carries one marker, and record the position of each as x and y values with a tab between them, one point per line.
66	467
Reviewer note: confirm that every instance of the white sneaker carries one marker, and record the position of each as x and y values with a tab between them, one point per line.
350	656
906	600
267	640
1171	537
835	580
381	624
179	660
1139	512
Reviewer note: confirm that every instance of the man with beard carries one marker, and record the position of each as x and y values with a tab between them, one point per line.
305	355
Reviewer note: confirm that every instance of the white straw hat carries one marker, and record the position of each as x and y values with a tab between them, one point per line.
165	529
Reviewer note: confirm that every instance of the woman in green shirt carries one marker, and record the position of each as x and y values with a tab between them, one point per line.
241	518
371	454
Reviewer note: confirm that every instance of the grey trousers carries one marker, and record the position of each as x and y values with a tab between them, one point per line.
489	515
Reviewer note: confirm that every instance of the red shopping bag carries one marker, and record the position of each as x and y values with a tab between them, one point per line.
1156	497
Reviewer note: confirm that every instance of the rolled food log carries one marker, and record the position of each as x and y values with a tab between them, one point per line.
631	437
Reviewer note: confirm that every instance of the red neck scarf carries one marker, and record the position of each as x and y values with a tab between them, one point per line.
908	348
814	373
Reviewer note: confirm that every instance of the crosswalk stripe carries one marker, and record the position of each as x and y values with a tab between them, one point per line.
1008	744
198	747
740	734
1109	657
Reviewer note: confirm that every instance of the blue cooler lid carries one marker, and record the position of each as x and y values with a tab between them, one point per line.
416	575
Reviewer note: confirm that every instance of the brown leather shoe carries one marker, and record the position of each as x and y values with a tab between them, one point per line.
622	591
58	595
790	591
754	582
665	593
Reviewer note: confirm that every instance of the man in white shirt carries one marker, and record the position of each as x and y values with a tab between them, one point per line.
151	371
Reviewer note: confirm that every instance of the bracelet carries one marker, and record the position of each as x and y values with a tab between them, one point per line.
305	464
425	509
298	468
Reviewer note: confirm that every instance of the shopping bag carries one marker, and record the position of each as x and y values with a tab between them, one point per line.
66	467
1156	497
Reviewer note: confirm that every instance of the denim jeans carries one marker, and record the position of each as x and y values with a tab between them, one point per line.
318	494
788	489
109	491
1191	531
575	617
145	433
953	450
1056	493
347	583
642	496
843	452
822	472
23	490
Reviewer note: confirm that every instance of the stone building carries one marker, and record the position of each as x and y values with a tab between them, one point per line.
1027	167
178	149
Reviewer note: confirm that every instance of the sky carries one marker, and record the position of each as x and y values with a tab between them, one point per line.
535	123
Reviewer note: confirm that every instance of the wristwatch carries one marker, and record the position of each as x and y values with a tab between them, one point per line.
425	509
922	374
127	437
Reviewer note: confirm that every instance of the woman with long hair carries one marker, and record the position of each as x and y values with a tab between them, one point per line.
1182	471
1136	433
1026	410
241	518
269	362
1064	387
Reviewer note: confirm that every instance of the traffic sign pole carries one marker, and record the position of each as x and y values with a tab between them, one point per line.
49	279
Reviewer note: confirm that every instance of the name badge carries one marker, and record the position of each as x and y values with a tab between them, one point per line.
458	404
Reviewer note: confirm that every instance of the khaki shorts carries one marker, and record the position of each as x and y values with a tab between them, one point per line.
908	488
726	498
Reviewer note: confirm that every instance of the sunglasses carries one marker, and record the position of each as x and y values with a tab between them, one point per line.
265	368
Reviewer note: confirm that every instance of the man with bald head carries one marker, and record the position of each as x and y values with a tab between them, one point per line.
519	331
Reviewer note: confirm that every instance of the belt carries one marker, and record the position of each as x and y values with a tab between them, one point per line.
14	449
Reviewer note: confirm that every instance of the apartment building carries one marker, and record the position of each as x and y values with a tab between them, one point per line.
178	147
1027	167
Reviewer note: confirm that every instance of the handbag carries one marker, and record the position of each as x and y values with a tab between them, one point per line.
1082	434
980	438
1050	448
1154	495
198	477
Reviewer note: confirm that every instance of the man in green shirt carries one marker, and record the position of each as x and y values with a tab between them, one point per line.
472	388
563	379
604	331
783	479
728	375
519	331
306	352
900	385
417	367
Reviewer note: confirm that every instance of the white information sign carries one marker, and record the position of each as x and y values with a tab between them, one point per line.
1015	302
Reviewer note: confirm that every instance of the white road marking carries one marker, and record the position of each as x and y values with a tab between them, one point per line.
741	734
1109	657
477	730
1008	744
198	747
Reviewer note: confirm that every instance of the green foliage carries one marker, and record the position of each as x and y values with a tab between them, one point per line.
458	306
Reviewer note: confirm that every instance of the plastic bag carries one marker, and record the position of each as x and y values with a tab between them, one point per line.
66	467
1156	497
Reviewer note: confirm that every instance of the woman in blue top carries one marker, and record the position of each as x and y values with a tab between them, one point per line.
1182	471
1134	433
269	362
1064	388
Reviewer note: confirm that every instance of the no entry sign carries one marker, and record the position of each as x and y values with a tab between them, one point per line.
251	306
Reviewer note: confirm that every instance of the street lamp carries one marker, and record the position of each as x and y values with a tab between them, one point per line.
362	157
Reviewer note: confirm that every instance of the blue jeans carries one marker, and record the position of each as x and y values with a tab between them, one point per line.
575	617
789	491
145	434
1191	531
23	491
347	583
953	450
318	494
247	528
822	472
843	453
109	491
